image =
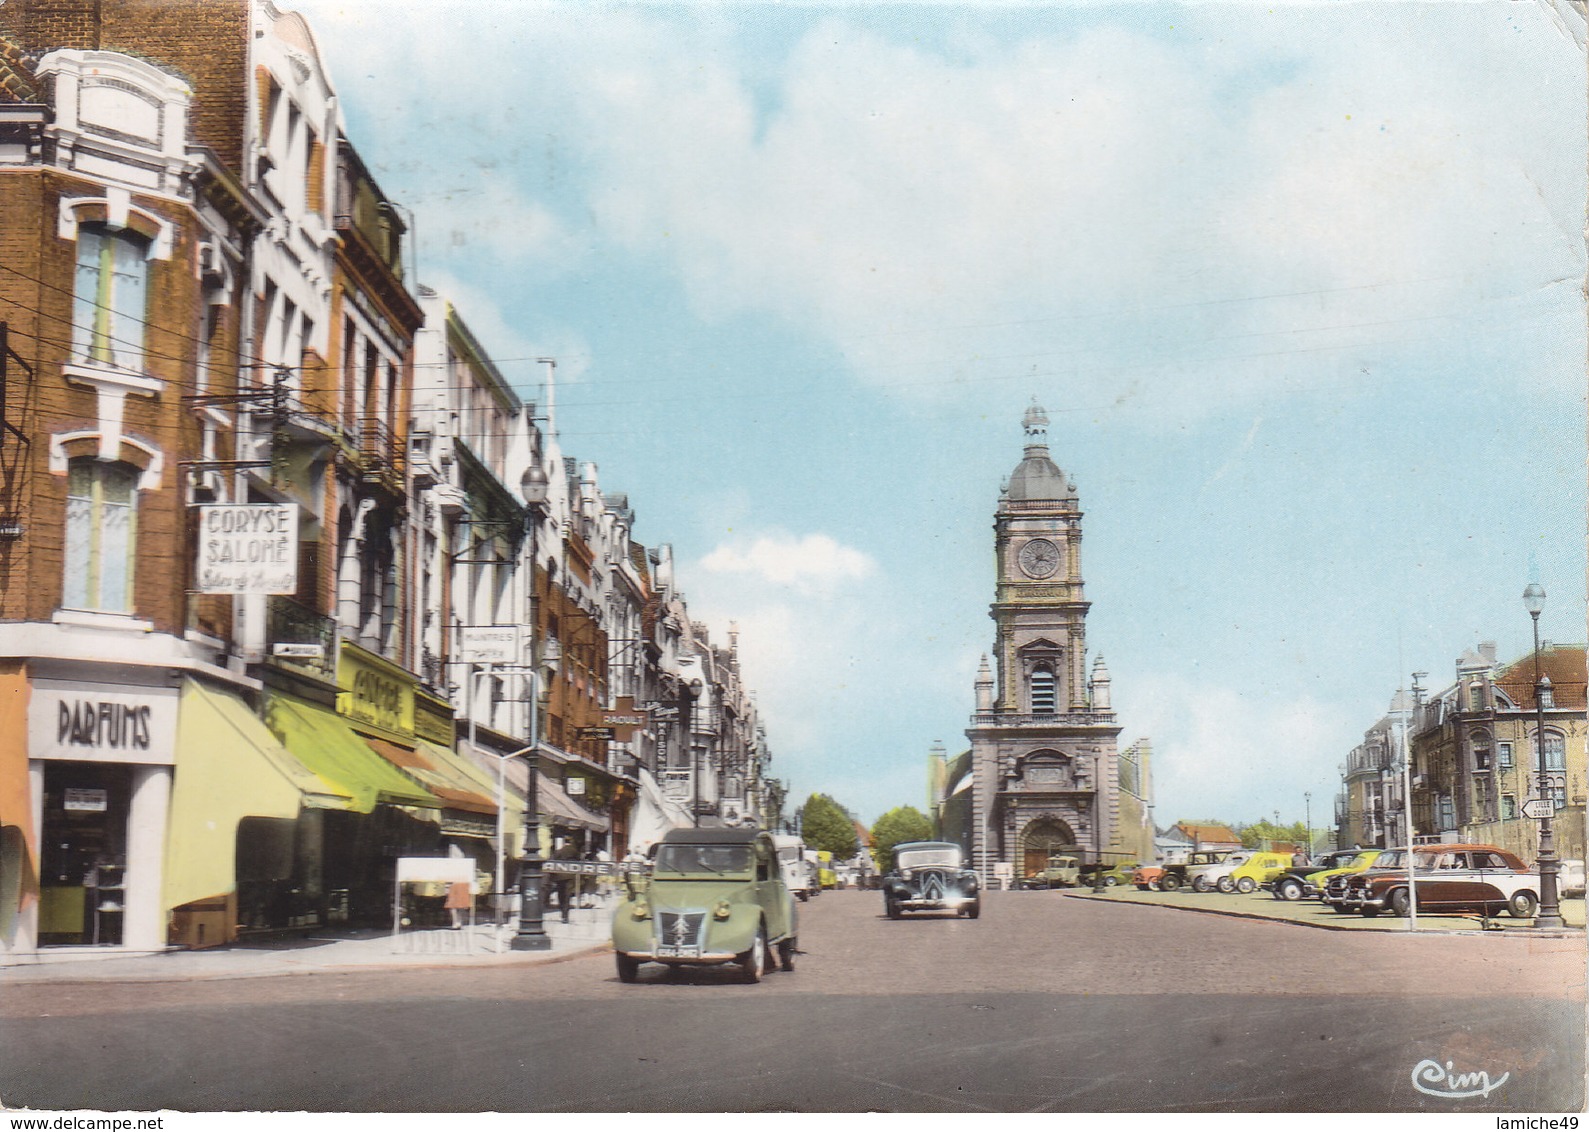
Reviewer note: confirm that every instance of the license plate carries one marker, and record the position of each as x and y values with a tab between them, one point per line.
678	953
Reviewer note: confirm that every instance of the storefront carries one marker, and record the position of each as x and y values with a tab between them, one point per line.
100	758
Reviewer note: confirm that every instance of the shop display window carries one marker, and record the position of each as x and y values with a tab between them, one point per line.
83	855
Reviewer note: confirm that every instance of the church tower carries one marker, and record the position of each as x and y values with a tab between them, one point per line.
1043	736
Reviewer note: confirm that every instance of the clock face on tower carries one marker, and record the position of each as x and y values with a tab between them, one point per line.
1039	558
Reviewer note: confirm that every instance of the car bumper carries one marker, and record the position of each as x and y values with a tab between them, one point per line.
702	959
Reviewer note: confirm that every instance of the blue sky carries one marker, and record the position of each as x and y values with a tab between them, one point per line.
1300	287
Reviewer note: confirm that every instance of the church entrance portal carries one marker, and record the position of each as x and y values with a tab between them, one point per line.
1041	840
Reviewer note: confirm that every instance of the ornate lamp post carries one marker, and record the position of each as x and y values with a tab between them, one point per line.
531	935
1549	909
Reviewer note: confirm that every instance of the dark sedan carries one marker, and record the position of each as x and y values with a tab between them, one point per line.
931	876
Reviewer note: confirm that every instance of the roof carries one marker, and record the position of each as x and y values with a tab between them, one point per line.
1037	477
17	81
1564	664
1210	832
718	836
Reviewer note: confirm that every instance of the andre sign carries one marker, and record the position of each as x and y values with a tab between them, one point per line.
248	548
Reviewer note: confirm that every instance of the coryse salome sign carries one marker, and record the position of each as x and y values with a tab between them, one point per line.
248	548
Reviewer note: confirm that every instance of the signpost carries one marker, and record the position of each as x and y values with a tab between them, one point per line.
1539	808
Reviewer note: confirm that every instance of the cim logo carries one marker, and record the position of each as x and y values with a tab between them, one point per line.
1437	1080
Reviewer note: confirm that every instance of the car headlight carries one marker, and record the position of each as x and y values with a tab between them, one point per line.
641	910
722	911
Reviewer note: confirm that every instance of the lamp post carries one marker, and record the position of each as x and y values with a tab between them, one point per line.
1097	823
1549	910
531	934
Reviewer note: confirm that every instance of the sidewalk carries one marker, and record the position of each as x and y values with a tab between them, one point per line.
317	952
1311	913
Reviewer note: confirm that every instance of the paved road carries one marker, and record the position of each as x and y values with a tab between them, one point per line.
1045	1003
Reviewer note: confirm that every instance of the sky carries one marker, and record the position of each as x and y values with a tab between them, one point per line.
1299	286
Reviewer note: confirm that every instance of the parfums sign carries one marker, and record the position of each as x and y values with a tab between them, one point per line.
248	548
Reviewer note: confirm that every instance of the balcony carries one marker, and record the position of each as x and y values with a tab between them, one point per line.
1058	719
288	622
379	457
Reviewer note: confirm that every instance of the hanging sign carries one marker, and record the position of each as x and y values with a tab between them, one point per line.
247	548
490	644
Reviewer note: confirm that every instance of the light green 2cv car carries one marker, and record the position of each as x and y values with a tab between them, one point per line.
714	896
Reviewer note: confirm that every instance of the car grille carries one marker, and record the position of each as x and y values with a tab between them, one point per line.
680	929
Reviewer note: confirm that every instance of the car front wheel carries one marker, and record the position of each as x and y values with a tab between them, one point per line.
1201	884
1246	885
1169	883
1226	885
753	963
973	910
1522	905
891	907
1110	882
1288	890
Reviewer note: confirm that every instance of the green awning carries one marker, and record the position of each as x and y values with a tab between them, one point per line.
321	739
228	767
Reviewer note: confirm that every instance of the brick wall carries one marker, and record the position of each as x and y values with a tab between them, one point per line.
203	41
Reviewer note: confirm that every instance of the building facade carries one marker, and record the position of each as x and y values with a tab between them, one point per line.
207	317
1044	758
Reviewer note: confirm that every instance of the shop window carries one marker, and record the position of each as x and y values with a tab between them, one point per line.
83	853
101	536
111	297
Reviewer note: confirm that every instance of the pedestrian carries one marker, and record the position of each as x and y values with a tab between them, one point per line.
558	882
460	899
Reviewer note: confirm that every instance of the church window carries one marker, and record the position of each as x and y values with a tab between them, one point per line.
1043	702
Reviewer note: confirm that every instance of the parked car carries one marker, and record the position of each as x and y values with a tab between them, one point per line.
1570	879
1112	874
1446	878
1060	871
1170	877
1258	869
1300	881
714	896
931	876
1216	874
1147	877
800	880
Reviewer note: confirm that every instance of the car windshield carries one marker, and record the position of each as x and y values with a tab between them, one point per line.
920	858
1394	858
1366	859
722	860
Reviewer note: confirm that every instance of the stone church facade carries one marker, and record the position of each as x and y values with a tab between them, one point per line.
1044	754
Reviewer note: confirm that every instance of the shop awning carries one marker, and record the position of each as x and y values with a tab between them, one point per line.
654	813
563	810
484	782
455	792
324	742
228	767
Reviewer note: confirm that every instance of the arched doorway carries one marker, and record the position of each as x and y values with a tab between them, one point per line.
1041	839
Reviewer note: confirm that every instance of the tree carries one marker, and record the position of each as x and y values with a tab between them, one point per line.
1265	832
901	824
825	827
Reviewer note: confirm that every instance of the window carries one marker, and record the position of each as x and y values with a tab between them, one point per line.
1503	753
112	285
101	532
1475	696
1043	690
1555	751
1508	807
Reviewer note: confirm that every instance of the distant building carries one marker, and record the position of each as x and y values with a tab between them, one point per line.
1207	835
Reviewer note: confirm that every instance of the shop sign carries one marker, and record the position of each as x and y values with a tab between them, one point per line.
490	644
432	725
575	786
596	733
101	722
248	548
376	693
86	801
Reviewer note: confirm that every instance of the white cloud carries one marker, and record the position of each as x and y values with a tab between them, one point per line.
811	564
1221	754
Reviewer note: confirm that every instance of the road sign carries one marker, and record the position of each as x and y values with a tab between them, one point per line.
1539	808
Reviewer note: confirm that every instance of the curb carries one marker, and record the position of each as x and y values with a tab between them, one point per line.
70	977
1519	932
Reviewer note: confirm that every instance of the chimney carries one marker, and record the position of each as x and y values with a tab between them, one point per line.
1487	650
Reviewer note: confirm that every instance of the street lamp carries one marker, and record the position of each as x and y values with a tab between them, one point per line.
1097	823
531	934
1549	911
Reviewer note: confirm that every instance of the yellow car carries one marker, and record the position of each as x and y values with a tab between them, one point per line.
1260	868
